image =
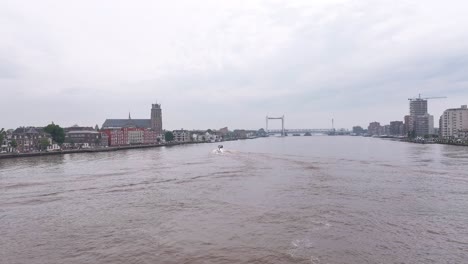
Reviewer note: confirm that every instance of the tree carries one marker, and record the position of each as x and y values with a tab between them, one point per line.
13	143
2	135
261	132
57	133
96	128
44	143
169	136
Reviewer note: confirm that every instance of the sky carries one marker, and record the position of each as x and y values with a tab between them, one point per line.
216	63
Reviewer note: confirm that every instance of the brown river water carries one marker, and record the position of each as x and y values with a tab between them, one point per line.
312	200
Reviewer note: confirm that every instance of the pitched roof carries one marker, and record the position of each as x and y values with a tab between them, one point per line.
139	123
28	130
84	132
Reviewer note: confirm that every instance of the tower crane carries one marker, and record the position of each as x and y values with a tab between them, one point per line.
425	98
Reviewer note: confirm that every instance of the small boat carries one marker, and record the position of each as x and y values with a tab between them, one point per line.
219	150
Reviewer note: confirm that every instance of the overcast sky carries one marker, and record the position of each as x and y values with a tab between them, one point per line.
229	63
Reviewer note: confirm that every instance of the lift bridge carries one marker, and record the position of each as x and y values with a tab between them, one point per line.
284	131
300	131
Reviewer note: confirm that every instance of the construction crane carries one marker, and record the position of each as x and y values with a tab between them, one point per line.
425	98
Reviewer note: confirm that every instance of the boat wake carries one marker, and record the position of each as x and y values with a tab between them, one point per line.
219	150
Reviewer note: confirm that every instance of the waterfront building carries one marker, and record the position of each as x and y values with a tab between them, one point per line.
408	125
130	136
28	139
135	137
358	130
197	135
223	131
154	123
374	128
397	128
385	130
420	122
212	137
423	125
5	144
85	138
463	134
104	139
207	135
78	128
120	132
181	135
240	133
453	122
53	147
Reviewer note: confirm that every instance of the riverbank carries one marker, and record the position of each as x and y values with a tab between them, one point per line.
94	150
408	140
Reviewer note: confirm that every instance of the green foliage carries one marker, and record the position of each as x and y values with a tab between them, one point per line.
44	143
2	135
13	143
169	136
261	132
57	133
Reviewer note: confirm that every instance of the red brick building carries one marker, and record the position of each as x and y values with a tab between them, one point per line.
130	136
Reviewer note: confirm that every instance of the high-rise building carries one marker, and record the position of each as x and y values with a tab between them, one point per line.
374	128
454	122
423	125
385	130
418	107
397	128
156	118
420	123
408	125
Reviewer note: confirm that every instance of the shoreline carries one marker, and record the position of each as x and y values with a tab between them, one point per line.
95	150
406	140
119	148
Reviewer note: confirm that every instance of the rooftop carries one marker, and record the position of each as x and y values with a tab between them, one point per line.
115	123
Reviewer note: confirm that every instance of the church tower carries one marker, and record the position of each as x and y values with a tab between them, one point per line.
156	118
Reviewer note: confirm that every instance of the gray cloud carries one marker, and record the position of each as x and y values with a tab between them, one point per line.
215	63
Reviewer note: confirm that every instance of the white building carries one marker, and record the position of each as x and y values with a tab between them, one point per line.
135	137
181	135
53	147
454	122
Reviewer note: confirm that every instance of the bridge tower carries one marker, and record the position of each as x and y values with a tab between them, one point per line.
275	118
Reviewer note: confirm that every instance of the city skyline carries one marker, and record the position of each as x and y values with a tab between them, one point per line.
214	64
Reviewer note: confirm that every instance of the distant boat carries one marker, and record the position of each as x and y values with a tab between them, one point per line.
307	134
296	135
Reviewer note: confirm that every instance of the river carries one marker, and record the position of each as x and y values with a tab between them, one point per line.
316	200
